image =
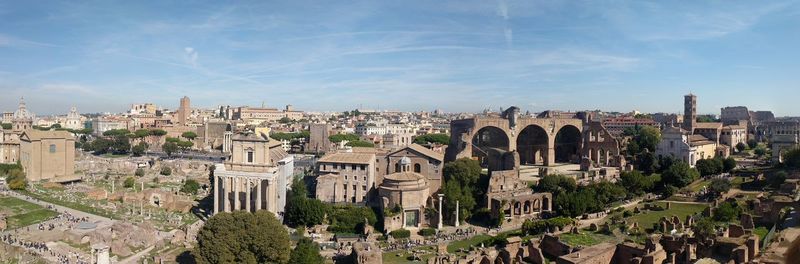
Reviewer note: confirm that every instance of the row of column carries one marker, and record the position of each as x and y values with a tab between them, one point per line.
228	190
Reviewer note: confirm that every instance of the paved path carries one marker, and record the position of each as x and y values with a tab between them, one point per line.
136	257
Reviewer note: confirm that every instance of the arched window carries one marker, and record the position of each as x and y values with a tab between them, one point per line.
417	168
397	167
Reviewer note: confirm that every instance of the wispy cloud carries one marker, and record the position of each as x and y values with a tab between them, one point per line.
11	41
191	56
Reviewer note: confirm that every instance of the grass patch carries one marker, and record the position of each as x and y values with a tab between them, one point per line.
584	238
74	205
761	232
21	213
465	244
648	218
403	256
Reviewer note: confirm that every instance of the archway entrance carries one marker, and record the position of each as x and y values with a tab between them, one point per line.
567	144
532	145
488	145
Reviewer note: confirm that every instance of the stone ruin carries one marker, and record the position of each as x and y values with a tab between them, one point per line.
160	198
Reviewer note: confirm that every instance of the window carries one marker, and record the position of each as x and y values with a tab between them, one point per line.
52	148
363	167
397	167
250	157
363	187
345	177
417	168
353	167
354	187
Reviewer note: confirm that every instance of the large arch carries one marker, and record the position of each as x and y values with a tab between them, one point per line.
489	144
567	144
532	145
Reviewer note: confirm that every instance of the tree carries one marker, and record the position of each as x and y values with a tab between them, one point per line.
647	162
719	186
679	174
169	148
752	143
189	135
172	140
728	164
556	184
185	145
139	149
649	137
190	186
359	143
636	183
141	133
166	171
16	179
741	147
777	179
704	229
121	145
306	252
100	145
792	158
443	139
139	172
158	132
301	210
116	132
342	137
760	151
727	212
243	237
285	120
129	182
708	167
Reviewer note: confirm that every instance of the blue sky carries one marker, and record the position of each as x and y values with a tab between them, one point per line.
403	55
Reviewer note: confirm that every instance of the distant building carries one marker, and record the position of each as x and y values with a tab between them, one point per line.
184	111
48	155
262	114
73	120
698	140
345	177
255	177
106	123
143	109
319	138
617	125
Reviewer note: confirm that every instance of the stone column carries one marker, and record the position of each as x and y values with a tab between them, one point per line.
216	194
236	205
247	198
441	198
457	220
550	159
259	203
228	193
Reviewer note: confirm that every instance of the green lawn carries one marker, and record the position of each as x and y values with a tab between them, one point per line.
22	213
584	238
646	219
465	244
402	256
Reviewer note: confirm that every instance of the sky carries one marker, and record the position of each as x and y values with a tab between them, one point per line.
401	55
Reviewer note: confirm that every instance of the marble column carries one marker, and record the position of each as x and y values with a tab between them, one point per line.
216	194
248	200
236	198
259	203
440	225
457	220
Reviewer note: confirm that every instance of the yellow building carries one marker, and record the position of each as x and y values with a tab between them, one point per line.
48	155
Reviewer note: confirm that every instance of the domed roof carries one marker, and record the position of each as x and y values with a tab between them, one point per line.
405	181
22	112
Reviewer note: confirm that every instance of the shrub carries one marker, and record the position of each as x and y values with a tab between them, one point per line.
166	171
400	233
427	232
627	213
139	172
190	186
129	182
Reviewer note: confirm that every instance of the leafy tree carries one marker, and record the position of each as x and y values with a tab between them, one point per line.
16	179
633	148
704	229
185	145
359	143
705	119
443	139
129	182
122	145
158	132
141	133
664	163
741	147
708	167
342	137
189	135
792	158
752	143
243	237
306	252
649	137
463	194
400	233
139	149
760	151
172	139
169	148
719	186
285	120
166	171
679	174
348	218
727	212
190	186
100	145
301	210
728	164
116	132
636	183
647	162
556	184
7	126
461	180
139	172
777	179
290	136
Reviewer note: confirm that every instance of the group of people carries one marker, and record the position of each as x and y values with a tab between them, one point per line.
440	237
41	249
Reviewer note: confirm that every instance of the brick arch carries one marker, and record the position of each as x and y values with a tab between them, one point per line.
533	143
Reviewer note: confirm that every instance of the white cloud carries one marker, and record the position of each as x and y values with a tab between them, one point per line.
191	56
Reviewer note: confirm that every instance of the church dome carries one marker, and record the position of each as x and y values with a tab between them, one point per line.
404	181
22	112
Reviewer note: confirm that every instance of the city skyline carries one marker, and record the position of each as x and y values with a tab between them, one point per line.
455	56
